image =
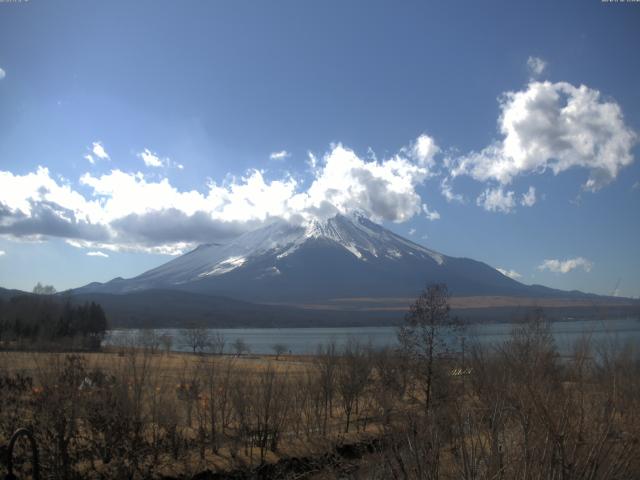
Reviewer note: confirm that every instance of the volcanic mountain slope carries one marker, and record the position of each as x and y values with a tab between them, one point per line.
341	257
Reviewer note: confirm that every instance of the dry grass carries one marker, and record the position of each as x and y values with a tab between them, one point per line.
169	366
519	410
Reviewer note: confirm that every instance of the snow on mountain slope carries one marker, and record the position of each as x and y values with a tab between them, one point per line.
363	238
357	235
337	257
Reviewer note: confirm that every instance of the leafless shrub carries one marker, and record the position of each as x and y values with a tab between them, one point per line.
240	346
196	338
279	349
149	339
166	342
391	380
326	364
354	372
217	343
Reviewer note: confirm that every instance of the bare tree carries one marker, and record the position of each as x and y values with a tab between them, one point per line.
217	375
218	343
166	341
326	363
391	381
271	404
353	376
422	335
196	338
279	349
148	339
240	346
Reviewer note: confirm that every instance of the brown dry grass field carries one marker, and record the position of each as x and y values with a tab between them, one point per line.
517	411
161	376
169	366
401	304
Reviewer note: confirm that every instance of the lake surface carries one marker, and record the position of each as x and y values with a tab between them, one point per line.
615	332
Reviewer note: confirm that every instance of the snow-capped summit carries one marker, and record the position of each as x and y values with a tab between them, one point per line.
365	239
342	256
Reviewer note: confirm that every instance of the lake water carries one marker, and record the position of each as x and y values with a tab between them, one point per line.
615	332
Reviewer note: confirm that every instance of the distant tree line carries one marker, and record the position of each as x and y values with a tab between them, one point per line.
43	318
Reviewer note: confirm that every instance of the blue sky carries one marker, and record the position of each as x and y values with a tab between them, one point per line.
528	112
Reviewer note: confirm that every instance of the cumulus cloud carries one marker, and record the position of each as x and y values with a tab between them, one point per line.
528	199
98	150
89	158
2	74
171	226
430	214
97	253
385	190
509	273
424	150
129	211
536	66
36	204
565	266
126	210
497	200
51	219
281	155
554	126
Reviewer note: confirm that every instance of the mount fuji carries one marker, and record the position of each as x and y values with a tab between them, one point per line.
344	270
345	256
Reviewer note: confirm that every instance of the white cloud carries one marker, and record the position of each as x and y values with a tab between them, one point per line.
2	74
150	159
344	182
251	198
281	155
412	231
98	150
536	66
153	160
529	199
509	273
97	253
2	252
554	126
89	158
565	266
424	150
496	200
430	214
129	211
21	194
447	191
